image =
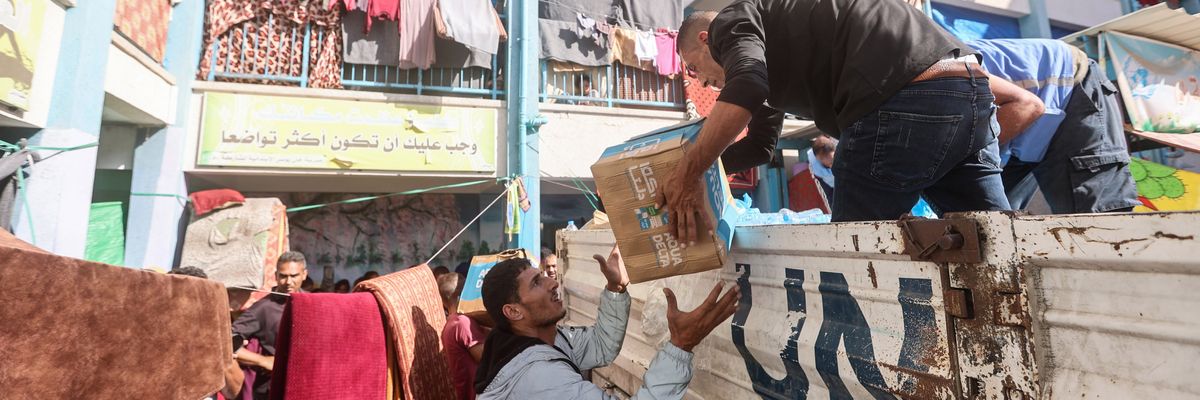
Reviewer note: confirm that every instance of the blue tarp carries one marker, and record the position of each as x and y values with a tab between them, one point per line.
969	24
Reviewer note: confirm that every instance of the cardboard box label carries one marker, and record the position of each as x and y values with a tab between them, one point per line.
630	177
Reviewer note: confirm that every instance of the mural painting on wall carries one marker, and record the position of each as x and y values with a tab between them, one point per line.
383	235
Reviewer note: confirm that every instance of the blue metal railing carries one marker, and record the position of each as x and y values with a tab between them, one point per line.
257	35
611	85
466	81
614	85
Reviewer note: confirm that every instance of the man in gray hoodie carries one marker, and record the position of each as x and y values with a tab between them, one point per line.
528	356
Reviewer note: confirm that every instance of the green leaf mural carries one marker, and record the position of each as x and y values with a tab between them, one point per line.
1155	180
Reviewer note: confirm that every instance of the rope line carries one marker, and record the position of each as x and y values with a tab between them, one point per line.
464	228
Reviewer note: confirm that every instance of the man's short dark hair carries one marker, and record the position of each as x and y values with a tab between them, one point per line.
291	256
824	144
692	25
189	271
500	287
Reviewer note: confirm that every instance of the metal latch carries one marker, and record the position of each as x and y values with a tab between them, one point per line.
941	240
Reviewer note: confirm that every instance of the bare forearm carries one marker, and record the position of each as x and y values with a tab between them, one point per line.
1019	108
724	123
1014	118
250	358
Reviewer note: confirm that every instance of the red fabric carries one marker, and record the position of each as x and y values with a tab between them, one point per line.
804	193
461	334
144	22
206	201
413	314
700	102
330	346
382	9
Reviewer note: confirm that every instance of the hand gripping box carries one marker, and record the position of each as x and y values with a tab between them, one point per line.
629	177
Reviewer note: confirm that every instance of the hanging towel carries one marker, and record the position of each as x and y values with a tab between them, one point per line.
379	47
472	23
586	28
330	346
668	62
561	66
413	316
79	329
451	54
646	47
560	41
625	48
416	33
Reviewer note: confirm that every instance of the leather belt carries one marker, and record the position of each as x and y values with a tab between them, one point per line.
951	69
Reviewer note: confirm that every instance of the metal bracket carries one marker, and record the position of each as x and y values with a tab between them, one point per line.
941	240
959	303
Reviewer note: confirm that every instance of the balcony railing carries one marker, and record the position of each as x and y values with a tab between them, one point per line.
472	81
614	86
611	86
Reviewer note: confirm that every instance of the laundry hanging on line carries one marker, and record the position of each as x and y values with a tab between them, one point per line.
381	46
474	23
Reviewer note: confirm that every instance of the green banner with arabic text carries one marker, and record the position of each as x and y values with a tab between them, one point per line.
241	130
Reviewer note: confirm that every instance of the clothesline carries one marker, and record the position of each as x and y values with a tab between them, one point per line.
436	254
586	13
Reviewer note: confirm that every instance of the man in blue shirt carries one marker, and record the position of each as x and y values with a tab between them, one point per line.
1076	151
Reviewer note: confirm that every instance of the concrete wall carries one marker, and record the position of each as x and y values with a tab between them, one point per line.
575	136
43	74
1082	13
139	90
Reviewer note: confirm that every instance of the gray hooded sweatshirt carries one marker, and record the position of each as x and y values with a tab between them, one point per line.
544	372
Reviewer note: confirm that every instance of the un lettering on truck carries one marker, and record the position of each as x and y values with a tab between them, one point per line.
985	305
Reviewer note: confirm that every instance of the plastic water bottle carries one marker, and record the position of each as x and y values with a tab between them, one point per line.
571	226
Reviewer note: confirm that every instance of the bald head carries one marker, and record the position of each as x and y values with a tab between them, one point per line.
689	31
693	41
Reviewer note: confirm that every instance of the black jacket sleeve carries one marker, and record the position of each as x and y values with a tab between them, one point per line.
736	41
758	146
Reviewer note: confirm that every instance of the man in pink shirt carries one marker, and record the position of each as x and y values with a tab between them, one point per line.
462	337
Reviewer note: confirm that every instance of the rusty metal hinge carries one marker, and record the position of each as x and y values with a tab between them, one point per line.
959	303
941	240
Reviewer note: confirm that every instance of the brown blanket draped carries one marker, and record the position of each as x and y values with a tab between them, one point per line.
79	329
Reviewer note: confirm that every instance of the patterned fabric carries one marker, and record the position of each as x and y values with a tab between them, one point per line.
700	101
645	85
330	346
145	22
413	316
267	38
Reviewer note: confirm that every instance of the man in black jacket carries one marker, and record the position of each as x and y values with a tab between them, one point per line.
911	106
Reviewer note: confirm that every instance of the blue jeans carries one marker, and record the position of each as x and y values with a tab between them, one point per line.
1086	167
934	138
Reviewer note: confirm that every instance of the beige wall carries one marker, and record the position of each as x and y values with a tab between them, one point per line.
575	136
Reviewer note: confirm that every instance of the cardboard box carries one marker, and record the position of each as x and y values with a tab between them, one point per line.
470	302
629	177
